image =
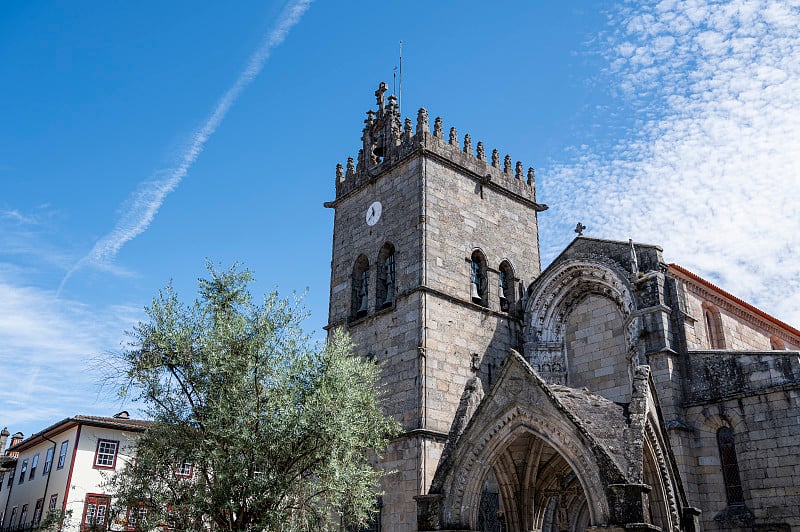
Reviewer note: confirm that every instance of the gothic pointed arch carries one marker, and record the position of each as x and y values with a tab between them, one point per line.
526	436
581	329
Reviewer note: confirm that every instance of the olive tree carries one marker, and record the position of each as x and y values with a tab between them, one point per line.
255	427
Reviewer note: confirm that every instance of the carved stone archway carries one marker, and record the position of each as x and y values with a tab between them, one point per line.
490	452
553	298
520	410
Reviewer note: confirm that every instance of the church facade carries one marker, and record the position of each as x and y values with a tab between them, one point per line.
610	391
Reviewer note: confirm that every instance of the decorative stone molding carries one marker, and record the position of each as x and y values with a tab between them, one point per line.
519	403
554	296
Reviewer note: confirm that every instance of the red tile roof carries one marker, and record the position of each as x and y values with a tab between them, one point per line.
134	425
760	313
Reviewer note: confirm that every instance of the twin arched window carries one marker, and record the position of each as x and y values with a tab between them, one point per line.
479	293
385	288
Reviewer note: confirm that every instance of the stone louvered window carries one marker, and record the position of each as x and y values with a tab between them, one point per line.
385	292
360	281
506	286
478	284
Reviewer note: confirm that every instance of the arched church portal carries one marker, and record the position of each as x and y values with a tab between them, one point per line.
529	485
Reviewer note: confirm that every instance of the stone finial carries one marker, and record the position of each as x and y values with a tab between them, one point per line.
350	167
468	144
339	173
422	121
518	170
407	129
580	228
438	130
392	103
634	260
453	136
360	163
481	152
370	118
507	164
496	158
531	176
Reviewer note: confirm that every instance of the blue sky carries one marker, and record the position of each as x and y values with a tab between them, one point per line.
140	138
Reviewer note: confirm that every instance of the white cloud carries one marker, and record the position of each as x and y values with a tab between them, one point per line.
49	351
714	175
145	203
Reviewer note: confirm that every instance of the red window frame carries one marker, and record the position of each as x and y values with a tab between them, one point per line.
140	512
97	454
23	515
48	460
62	454
95	501
34	465
37	511
23	471
173	516
180	468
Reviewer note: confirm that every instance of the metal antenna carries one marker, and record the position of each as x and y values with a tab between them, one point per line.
400	93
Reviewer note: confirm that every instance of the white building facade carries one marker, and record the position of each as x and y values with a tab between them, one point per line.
61	471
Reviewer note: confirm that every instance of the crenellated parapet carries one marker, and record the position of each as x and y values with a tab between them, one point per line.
387	139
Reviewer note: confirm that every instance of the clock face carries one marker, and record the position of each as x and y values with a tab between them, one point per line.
374	213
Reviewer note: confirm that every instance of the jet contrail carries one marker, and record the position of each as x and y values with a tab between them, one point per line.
148	199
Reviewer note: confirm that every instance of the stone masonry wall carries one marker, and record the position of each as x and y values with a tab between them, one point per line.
389	336
757	395
462	338
596	351
766	429
440	203
741	330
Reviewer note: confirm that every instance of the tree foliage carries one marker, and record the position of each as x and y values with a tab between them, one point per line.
277	431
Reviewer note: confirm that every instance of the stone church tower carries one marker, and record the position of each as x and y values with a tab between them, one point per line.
433	246
610	391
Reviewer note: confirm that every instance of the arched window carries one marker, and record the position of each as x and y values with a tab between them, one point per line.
506	286
478	284
360	299
713	323
385	292
730	466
